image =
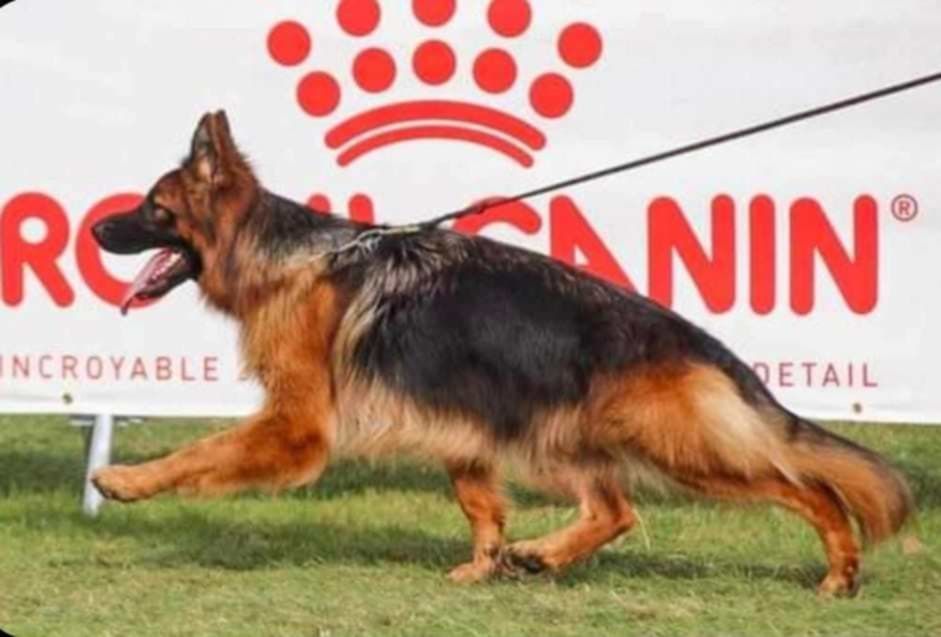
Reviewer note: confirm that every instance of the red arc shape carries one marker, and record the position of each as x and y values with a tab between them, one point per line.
458	133
435	110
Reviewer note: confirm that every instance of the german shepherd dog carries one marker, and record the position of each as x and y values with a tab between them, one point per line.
478	355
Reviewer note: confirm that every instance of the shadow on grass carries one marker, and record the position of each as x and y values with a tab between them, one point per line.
40	472
673	567
189	537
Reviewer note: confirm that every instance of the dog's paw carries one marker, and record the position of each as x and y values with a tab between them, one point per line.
839	585
121	483
472	572
521	559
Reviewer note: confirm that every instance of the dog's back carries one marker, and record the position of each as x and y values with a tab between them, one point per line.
501	335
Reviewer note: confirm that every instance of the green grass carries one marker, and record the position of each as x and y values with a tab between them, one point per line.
365	552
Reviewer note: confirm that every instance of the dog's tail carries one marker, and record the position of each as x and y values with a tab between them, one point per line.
703	429
870	490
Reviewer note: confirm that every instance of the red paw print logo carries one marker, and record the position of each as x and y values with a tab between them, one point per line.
434	62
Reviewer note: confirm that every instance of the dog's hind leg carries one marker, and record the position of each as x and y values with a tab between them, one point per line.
605	514
818	506
478	493
278	448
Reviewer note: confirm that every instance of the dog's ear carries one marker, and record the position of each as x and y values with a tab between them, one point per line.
203	158
212	150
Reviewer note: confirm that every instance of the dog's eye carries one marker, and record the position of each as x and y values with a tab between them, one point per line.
163	216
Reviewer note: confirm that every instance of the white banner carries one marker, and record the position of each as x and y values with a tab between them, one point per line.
813	251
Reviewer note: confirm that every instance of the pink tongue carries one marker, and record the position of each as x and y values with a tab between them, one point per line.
146	276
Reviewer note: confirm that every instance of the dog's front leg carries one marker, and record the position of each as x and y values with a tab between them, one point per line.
278	448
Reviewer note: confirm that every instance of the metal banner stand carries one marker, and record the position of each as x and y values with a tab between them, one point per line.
98	455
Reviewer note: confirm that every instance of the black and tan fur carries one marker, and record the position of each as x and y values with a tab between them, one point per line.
477	355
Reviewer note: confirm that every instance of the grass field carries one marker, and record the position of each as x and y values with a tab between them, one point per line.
365	552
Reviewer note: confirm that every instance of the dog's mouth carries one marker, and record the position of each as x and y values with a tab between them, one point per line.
163	272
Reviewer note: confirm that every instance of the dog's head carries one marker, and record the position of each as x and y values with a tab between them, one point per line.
182	215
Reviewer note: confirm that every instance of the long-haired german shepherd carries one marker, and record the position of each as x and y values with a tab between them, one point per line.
473	353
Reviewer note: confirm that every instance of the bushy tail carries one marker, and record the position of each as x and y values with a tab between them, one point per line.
873	493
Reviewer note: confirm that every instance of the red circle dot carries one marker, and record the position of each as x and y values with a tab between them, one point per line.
433	62
361	208
358	17
318	93
319	202
374	70
580	45
509	18
551	95
433	13
494	70
288	43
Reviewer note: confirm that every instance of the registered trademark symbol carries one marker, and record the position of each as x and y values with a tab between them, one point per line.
904	207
